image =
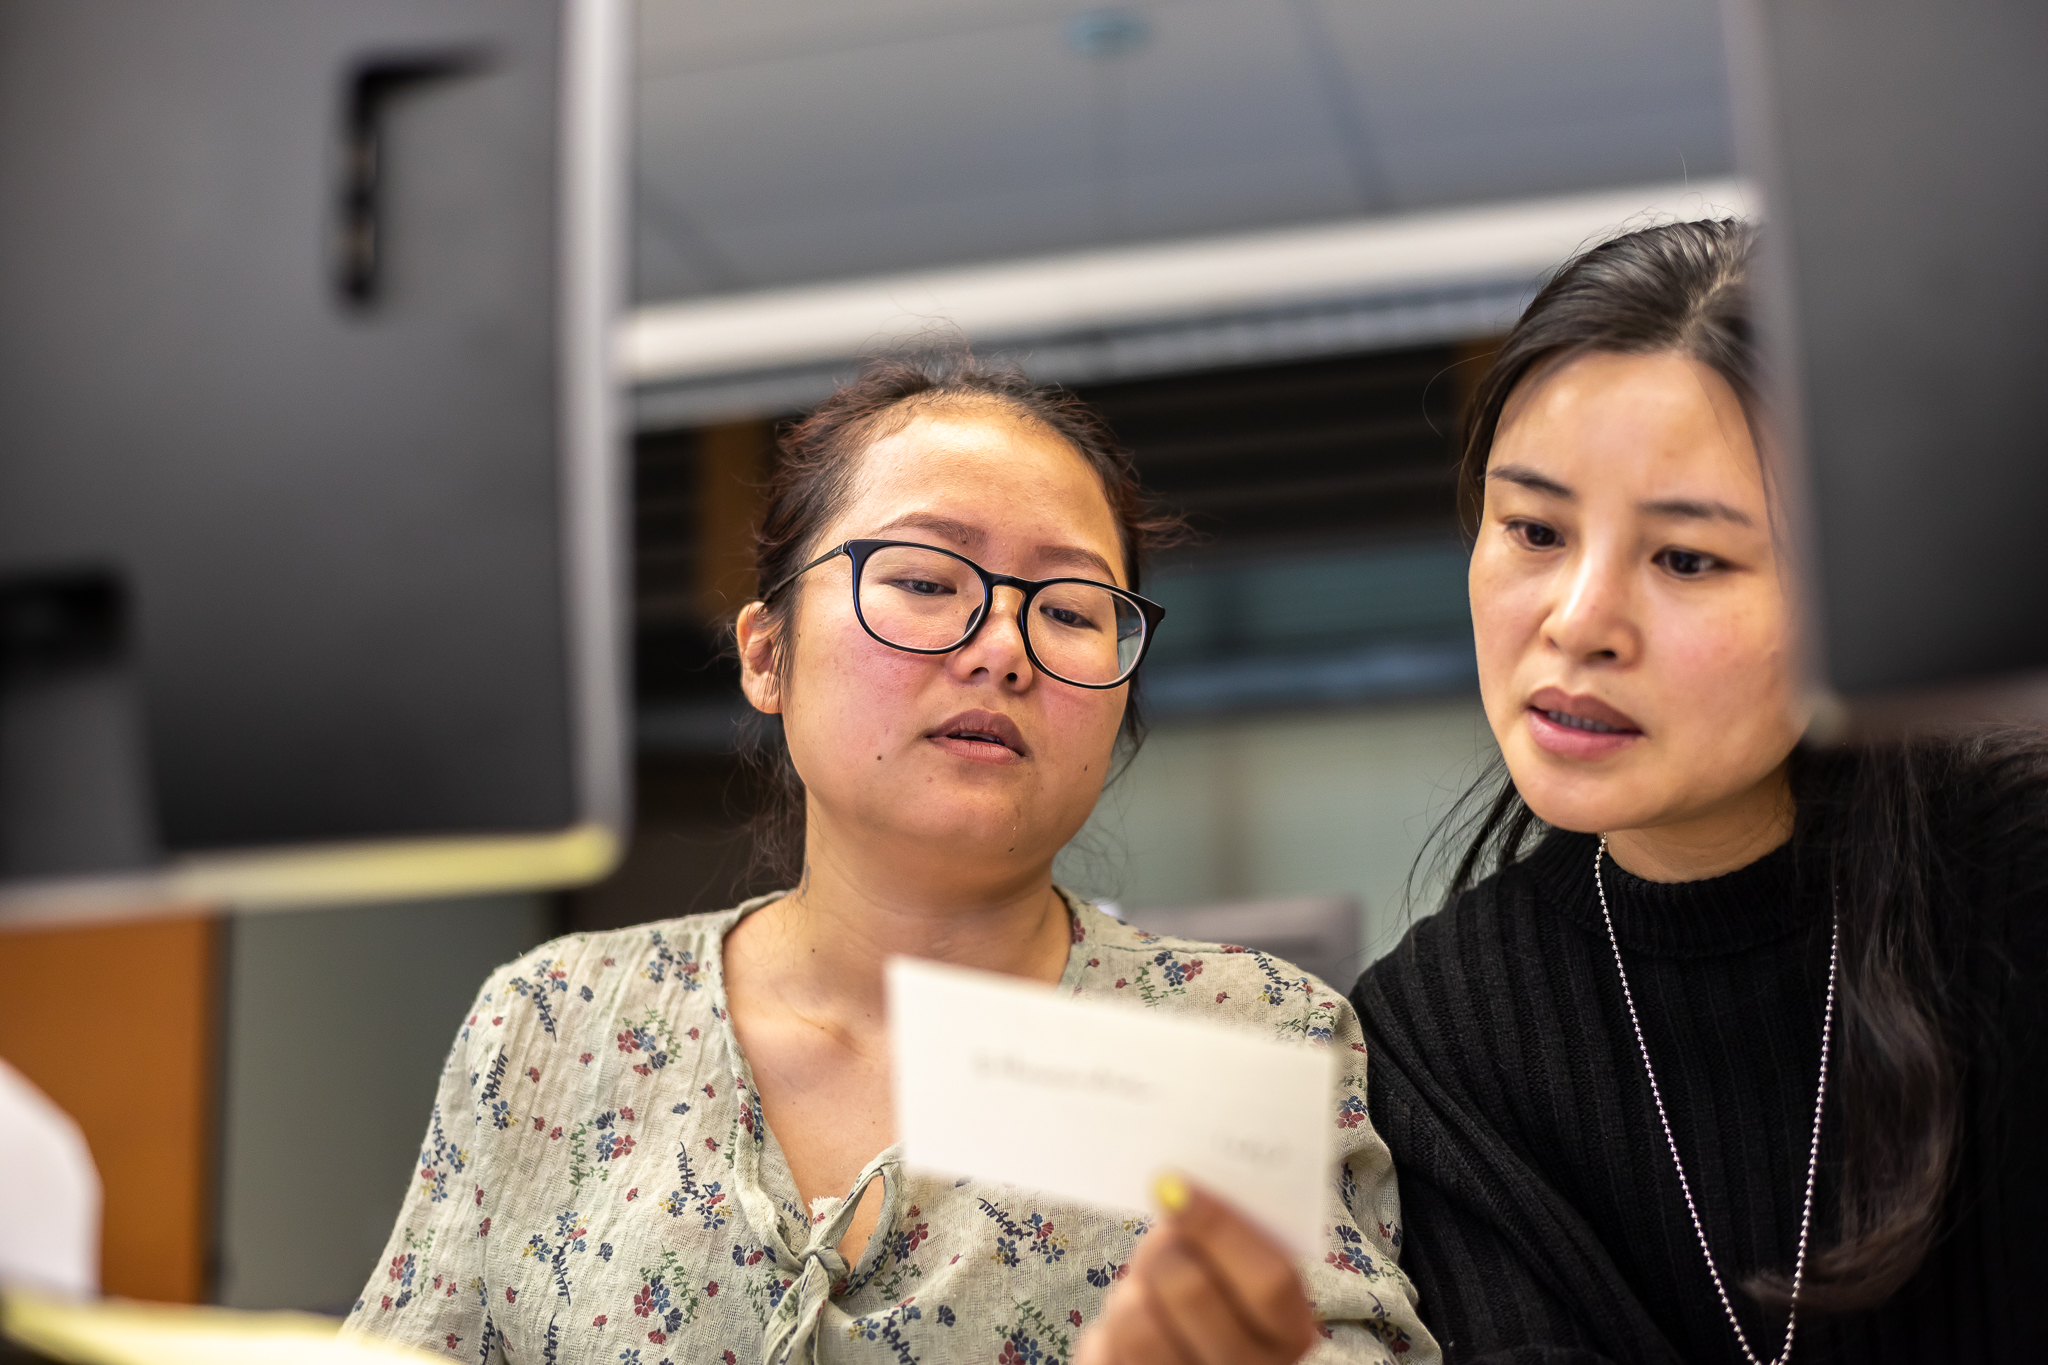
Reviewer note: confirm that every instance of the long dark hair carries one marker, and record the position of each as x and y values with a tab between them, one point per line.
816	459
1879	819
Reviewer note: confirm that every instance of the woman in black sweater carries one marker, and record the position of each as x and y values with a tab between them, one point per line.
1742	1047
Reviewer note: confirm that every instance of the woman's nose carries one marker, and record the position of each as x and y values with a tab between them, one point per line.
998	647
1592	621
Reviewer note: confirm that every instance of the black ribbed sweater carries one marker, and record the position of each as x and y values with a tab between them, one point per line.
1543	1220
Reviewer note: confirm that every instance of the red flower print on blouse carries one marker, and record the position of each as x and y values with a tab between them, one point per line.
585	1058
628	1043
511	1296
533	1074
711	1290
1074	1316
453	1341
643	1302
597	1321
483	1229
657	1336
626	1114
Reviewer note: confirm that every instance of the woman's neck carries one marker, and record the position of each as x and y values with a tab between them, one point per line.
825	944
1710	843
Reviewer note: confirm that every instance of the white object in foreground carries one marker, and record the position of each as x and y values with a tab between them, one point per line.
1005	1081
49	1194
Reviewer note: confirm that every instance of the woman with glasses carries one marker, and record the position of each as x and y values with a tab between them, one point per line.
1730	1044
673	1143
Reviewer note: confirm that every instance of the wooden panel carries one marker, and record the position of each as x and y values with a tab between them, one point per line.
118	1024
731	463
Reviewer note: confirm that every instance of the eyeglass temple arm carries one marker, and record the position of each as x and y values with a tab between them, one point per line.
790	578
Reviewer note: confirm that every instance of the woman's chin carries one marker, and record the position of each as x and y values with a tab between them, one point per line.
1580	802
972	829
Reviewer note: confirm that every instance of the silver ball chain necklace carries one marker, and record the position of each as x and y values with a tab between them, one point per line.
1827	1029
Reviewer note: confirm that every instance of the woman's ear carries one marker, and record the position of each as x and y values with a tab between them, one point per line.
760	679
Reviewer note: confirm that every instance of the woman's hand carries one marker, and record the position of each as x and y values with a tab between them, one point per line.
1205	1288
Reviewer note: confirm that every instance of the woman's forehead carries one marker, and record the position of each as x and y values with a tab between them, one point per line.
985	468
1605	421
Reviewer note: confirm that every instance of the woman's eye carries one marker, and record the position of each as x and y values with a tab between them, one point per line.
922	587
1067	617
1535	534
1686	563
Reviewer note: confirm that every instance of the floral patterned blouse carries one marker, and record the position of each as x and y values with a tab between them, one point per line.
598	1185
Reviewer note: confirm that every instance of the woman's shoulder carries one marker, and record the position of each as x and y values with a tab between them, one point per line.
653	951
1479	935
1226	982
569	989
1476	914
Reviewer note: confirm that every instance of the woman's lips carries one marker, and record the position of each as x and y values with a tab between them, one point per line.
1578	727
984	736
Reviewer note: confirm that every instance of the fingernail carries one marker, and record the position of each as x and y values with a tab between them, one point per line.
1171	1192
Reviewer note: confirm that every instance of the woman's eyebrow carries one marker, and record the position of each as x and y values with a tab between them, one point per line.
975	539
1689	509
1695	509
1074	557
1528	478
959	532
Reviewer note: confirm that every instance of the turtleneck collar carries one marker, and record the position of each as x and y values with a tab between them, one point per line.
1747	908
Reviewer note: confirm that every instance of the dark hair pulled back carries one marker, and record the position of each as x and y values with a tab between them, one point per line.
817	460
1878	818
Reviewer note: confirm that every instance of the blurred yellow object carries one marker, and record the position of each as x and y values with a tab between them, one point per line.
119	1332
332	874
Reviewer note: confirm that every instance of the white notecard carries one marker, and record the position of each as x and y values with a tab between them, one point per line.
1007	1081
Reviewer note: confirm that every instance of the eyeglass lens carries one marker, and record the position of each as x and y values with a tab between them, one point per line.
917	598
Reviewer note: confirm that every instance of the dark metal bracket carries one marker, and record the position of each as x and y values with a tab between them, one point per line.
372	87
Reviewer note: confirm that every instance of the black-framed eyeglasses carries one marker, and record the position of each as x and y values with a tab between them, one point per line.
925	600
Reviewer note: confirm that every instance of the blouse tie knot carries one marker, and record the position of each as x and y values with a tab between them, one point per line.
793	1330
